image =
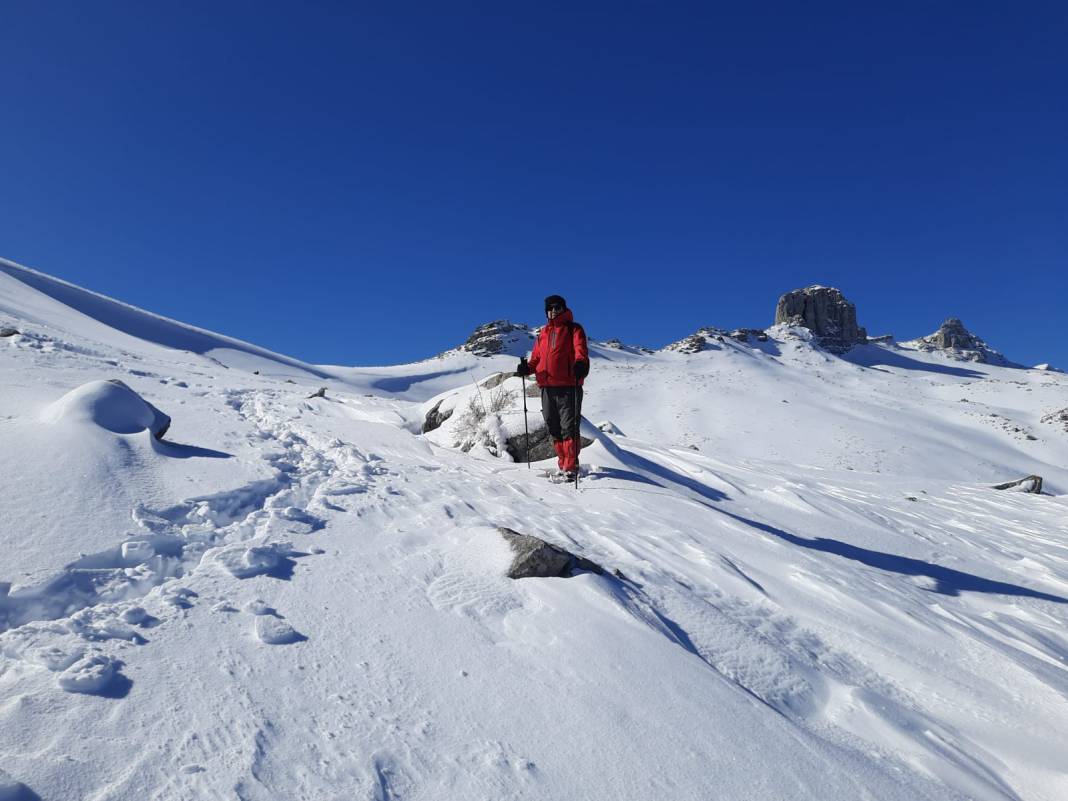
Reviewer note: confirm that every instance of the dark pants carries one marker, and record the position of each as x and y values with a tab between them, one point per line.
561	407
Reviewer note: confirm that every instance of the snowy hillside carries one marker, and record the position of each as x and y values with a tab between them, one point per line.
810	588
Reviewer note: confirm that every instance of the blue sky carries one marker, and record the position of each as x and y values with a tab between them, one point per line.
365	183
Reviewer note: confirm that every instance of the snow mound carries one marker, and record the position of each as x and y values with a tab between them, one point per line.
111	405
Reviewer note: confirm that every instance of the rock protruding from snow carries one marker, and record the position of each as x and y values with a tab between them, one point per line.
436	416
7	331
499	336
698	341
1058	417
826	313
956	341
536	558
1029	484
744	334
111	405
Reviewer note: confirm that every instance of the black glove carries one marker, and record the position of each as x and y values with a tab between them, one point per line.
524	368
582	368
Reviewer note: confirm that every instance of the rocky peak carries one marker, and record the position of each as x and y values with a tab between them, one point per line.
499	336
826	313
958	342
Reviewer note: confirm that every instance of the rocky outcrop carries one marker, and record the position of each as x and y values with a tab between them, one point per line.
499	336
826	313
435	417
7	331
1031	484
536	558
956	341
698	341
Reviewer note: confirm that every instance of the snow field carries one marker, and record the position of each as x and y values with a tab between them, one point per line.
307	600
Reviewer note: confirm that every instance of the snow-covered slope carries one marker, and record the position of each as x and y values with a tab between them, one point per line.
811	590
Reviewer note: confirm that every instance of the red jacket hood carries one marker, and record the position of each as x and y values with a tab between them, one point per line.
563	317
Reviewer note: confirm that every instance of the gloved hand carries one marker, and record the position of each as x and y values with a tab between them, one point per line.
524	368
582	368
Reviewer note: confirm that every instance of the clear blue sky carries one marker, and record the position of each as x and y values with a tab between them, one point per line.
364	183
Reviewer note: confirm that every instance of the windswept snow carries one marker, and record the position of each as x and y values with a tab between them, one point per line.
811	589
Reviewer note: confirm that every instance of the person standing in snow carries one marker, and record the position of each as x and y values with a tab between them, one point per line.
560	362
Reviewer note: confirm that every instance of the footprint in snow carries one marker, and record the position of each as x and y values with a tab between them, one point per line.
95	674
275	631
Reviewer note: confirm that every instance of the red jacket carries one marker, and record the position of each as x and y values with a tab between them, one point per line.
560	343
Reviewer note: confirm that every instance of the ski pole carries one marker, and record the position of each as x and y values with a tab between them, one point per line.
526	428
578	430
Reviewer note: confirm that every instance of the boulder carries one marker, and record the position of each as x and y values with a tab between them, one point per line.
435	417
826	313
541	444
8	331
1031	484
536	558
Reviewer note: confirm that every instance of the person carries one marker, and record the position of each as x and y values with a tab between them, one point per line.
560	362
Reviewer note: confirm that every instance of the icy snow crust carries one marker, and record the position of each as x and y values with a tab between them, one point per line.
811	591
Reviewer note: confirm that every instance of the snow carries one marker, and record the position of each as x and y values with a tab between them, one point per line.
811	588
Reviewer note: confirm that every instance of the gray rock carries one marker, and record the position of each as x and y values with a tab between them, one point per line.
824	311
498	336
957	342
536	558
698	341
1031	484
319	393
435	417
745	334
495	380
8	331
541	444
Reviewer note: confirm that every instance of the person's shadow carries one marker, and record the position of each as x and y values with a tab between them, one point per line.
947	581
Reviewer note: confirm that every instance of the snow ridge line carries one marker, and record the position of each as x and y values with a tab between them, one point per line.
93	600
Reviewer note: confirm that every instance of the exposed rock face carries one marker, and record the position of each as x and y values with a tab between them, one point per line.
958	342
8	331
698	341
745	334
493	338
541	444
435	417
536	558
824	311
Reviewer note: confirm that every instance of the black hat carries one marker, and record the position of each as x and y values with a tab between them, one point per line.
555	300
